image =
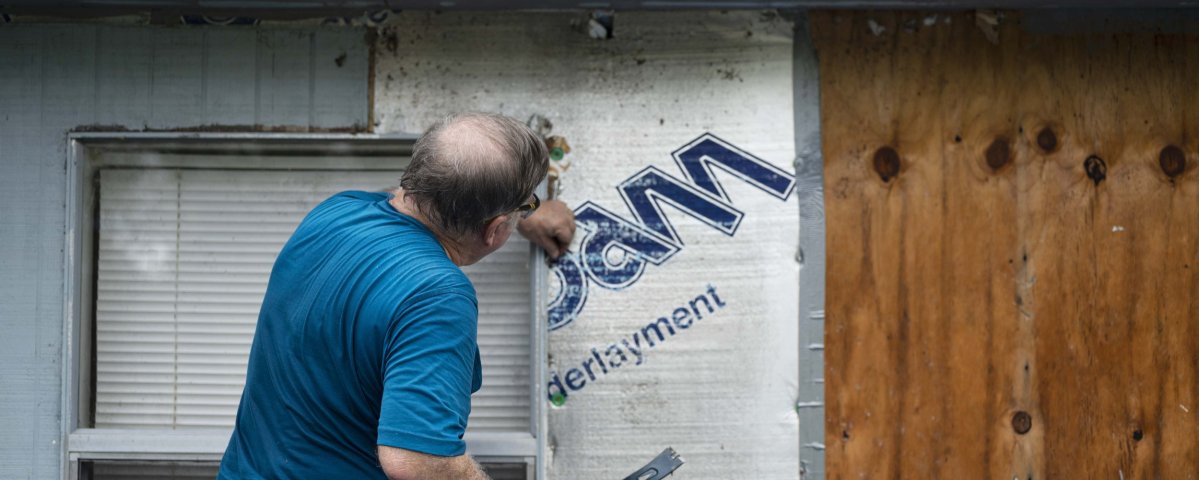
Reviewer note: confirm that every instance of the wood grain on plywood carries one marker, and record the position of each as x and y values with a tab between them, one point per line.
1012	249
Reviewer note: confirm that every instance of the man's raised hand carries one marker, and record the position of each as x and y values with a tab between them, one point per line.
551	227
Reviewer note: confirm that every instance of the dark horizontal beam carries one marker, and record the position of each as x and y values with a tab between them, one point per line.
342	7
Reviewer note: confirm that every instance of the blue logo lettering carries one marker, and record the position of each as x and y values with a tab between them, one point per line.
614	251
646	191
607	236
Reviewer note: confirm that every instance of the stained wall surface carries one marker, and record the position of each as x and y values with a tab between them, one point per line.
54	79
722	390
1013	260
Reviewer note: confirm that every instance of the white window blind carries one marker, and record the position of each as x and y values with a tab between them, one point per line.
183	257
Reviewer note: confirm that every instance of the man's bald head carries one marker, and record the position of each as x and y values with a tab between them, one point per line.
469	168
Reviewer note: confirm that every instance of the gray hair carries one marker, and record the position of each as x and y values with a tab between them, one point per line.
471	167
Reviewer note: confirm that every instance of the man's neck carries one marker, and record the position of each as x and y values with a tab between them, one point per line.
404	205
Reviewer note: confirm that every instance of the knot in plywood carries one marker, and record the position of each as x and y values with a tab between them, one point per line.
1096	168
999	153
886	163
1172	160
1021	422
1047	140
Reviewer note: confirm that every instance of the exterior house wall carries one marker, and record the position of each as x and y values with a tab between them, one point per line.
722	391
58	78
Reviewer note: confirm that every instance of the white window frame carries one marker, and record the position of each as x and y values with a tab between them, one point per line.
89	444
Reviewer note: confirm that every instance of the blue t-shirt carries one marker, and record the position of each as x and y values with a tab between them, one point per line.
367	336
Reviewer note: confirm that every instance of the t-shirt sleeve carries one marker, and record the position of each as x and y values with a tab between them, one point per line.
430	360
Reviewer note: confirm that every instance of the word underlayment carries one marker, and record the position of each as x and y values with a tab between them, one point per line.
631	350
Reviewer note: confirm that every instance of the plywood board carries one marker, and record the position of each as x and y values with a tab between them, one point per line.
1011	265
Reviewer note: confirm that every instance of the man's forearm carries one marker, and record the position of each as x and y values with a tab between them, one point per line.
401	464
466	467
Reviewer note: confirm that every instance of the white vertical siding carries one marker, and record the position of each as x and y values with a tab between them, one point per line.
55	78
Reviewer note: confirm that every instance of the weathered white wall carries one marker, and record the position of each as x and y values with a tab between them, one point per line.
56	78
722	392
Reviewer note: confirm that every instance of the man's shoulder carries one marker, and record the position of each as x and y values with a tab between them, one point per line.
422	269
355	196
343	205
444	279
437	293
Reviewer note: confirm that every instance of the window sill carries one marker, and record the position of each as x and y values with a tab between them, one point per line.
209	445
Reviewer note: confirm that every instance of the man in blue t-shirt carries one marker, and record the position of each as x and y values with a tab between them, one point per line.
365	354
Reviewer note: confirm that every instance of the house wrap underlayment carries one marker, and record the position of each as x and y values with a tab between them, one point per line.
716	378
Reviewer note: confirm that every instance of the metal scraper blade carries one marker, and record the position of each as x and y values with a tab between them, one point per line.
660	467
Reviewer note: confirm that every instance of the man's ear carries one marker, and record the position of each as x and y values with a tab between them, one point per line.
493	233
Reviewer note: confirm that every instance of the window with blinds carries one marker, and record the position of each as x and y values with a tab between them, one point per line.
182	259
